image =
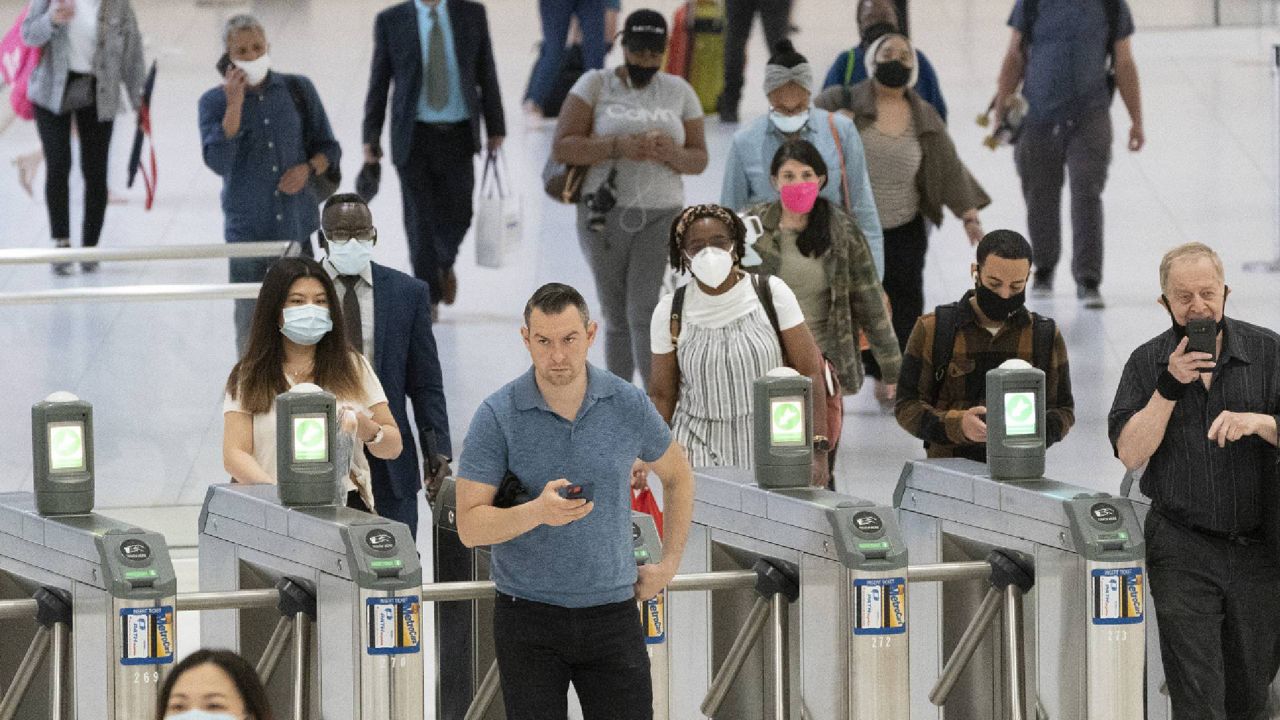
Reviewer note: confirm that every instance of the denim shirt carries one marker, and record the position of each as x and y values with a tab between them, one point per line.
746	172
251	163
456	109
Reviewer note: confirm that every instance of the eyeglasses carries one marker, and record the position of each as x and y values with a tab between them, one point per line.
722	242
342	237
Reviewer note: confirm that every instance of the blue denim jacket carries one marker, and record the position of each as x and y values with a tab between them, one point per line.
252	162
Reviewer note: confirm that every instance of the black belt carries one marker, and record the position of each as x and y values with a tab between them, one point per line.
1244	539
445	126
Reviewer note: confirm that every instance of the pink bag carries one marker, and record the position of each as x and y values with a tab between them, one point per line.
17	62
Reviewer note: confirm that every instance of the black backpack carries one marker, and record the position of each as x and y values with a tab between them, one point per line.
1031	10
1043	332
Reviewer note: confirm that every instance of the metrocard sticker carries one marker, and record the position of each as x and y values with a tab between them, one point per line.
147	636
881	606
395	625
1117	596
655	619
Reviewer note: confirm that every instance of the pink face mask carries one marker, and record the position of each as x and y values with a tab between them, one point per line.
799	197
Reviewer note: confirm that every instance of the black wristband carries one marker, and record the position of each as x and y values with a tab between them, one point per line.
1169	387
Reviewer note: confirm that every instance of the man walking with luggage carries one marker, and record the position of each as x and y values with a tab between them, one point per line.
570	435
1070	56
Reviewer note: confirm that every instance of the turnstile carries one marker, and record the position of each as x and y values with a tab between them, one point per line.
120	585
366	657
847	639
1085	634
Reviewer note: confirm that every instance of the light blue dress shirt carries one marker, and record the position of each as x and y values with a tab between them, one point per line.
456	109
746	172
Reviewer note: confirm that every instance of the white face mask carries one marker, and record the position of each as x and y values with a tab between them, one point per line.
255	70
712	266
351	257
788	123
201	715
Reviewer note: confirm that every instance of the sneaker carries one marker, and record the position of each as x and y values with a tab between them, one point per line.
1090	297
727	110
89	267
62	269
1042	285
449	288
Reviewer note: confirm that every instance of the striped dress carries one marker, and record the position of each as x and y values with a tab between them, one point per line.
712	419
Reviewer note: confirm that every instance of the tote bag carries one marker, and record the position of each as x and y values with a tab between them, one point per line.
497	218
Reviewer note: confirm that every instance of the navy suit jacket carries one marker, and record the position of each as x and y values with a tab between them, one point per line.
398	58
405	360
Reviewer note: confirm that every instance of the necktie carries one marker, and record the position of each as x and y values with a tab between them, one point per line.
351	312
437	65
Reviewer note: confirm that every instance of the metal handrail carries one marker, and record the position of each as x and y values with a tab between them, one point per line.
481	589
15	609
224	291
210	251
227	600
948	571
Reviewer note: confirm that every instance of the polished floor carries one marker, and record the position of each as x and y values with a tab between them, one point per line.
155	371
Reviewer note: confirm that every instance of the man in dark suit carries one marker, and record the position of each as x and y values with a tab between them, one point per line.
439	56
388	319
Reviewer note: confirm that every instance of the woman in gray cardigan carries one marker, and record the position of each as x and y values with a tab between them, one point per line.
90	48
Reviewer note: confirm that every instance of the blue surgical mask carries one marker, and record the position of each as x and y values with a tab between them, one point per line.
351	257
306	324
788	123
201	715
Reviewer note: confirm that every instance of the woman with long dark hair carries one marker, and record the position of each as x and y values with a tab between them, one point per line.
820	252
295	339
213	685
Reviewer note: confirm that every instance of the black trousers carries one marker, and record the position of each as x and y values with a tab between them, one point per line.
435	187
904	250
543	648
775	18
1218	607
95	143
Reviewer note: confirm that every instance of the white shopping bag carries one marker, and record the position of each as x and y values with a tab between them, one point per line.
497	220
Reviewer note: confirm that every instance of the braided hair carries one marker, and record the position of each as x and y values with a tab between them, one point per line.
690	215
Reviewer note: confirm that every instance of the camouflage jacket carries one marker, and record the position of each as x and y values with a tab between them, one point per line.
857	299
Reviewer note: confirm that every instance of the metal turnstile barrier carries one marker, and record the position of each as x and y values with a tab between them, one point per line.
346	589
101	593
1085	639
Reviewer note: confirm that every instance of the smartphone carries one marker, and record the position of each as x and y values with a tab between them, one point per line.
577	492
1202	336
224	63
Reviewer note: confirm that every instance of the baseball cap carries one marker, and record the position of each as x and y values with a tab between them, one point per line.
645	30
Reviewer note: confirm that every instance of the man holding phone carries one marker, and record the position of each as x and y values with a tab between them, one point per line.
1196	411
567	581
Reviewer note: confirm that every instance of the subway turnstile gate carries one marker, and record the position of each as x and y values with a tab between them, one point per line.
364	580
1085	647
846	631
106	604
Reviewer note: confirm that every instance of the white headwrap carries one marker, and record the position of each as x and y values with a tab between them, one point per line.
870	60
775	76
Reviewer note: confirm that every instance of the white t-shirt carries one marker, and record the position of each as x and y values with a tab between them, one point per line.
264	424
716	311
82	36
664	104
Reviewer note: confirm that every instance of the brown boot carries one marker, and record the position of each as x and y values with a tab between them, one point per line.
449	287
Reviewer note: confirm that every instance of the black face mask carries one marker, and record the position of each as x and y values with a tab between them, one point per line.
876	31
893	74
1180	331
995	307
640	75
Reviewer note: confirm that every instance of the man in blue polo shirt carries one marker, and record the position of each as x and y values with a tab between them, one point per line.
566	577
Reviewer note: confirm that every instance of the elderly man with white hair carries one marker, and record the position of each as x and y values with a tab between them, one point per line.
1197	409
788	83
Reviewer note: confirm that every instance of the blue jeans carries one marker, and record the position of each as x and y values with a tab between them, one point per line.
555	16
542	648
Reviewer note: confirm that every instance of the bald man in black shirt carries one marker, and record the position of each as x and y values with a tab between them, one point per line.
1204	427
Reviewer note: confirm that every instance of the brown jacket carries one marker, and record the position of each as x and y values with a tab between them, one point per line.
943	178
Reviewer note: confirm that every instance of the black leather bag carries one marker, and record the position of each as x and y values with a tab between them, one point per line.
327	183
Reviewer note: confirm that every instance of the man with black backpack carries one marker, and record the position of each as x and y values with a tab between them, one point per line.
1070	57
944	370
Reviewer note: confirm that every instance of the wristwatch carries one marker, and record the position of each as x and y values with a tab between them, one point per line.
821	443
